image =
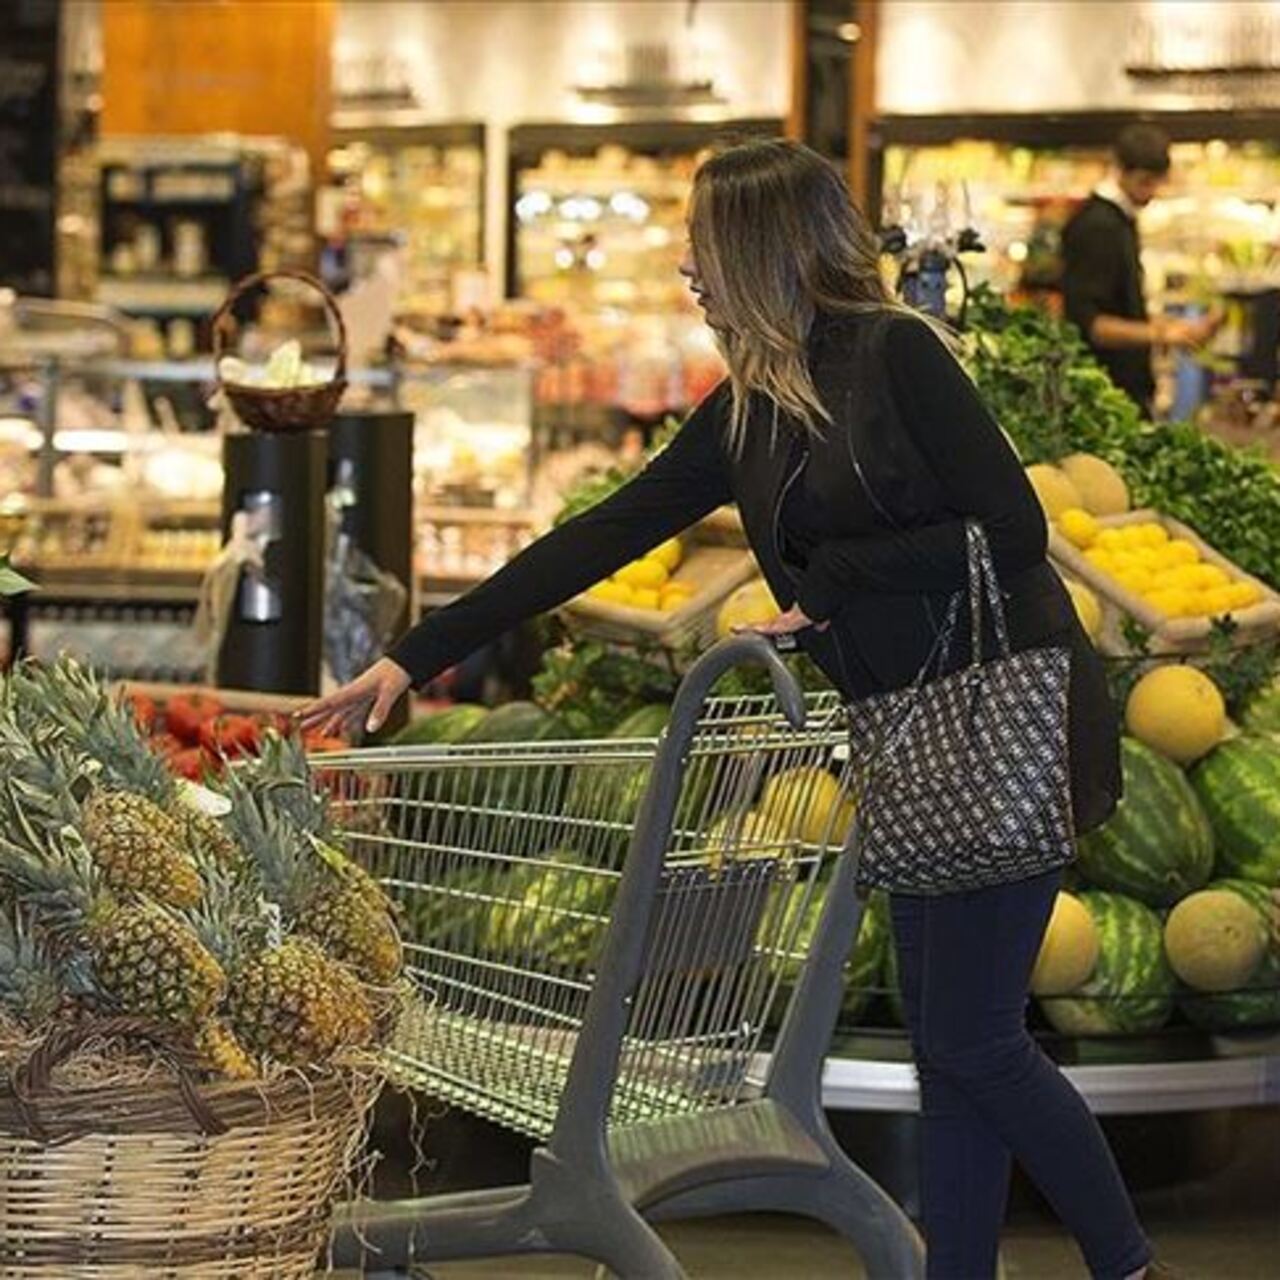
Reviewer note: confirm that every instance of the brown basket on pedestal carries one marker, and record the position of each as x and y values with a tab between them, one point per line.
282	408
170	1177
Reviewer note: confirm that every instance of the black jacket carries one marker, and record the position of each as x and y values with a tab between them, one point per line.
1102	275
910	432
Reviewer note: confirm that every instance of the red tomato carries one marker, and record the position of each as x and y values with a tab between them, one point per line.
190	762
165	744
318	743
144	710
230	736
186	712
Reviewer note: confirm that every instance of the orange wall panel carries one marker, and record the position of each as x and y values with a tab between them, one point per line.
209	66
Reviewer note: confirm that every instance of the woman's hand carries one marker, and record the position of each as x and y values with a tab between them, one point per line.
786	623
367	699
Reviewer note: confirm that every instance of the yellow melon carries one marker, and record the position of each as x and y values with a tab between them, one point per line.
1088	609
1069	950
805	802
751	604
1055	491
1100	485
1178	711
1215	940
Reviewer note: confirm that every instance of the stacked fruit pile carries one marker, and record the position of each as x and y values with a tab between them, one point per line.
648	583
253	938
1179	897
198	734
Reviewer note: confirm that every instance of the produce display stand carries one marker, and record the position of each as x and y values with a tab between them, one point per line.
872	1073
1171	635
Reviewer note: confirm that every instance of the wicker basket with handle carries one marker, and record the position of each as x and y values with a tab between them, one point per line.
170	1178
305	408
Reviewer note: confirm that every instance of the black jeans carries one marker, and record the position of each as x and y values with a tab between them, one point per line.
990	1095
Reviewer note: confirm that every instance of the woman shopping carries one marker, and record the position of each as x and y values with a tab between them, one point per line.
862	461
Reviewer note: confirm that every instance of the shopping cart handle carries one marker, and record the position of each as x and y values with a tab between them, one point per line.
748	647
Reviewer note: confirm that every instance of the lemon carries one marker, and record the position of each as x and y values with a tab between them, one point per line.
1180	551
1217	601
646	598
646	574
1078	527
668	554
1154	535
1243	594
1171	601
1138	579
1209	576
1183	575
611	591
1110	539
1100	559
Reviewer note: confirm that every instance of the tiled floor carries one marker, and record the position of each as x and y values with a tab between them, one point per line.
1219	1220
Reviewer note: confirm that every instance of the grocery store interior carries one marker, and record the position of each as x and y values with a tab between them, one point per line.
313	315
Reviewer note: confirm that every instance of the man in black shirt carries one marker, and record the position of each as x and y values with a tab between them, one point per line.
1102	269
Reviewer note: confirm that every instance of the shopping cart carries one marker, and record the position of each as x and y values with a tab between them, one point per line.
598	933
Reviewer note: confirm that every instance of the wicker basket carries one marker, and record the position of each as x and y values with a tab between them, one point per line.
170	1179
281	408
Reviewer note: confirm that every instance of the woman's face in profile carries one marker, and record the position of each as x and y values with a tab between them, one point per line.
689	269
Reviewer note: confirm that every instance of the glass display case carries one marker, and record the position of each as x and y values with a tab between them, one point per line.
597	217
412	188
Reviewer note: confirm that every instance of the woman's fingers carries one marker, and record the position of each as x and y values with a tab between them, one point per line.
341	705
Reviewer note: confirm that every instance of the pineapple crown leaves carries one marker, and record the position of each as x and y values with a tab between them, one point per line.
28	976
232	919
286	865
94	720
283	773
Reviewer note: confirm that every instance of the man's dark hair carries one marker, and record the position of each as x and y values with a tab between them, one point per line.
1143	146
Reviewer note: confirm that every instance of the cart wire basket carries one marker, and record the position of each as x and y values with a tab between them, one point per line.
597	932
165	1176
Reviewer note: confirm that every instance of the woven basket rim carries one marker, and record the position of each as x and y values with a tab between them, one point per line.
158	1106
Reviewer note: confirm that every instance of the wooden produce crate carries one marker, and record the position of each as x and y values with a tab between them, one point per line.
715	571
1169	634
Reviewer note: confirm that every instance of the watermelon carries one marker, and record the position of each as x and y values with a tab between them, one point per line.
1158	845
441	726
612	793
1262	715
864	967
1259	1004
528	787
1239	785
1132	988
553	914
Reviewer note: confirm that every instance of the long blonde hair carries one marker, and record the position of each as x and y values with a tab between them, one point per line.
775	239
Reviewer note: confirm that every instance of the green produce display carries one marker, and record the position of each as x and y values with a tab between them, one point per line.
515	787
1239	786
1054	399
1158	845
449	725
1258	1004
1132	988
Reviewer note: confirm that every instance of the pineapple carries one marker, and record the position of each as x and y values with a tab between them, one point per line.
319	890
297	1004
221	1052
206	839
139	848
30	990
286	999
135	844
144	959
